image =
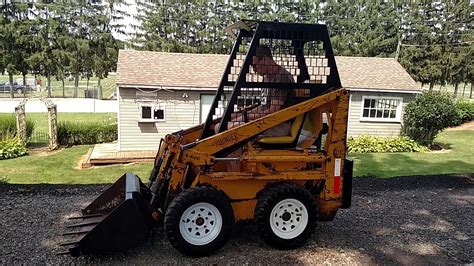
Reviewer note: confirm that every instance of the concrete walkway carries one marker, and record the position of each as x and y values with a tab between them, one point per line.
64	105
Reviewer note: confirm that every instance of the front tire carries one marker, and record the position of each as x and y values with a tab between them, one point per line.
199	221
286	215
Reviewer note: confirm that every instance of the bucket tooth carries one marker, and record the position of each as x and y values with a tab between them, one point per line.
63	253
76	233
86	222
86	216
69	243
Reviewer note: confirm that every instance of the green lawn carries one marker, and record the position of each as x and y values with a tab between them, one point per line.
41	119
60	167
459	159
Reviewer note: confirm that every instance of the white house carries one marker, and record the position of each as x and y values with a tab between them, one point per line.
160	93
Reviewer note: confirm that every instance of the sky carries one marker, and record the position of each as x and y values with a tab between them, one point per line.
129	21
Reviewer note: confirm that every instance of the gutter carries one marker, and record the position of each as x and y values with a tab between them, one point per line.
167	87
384	90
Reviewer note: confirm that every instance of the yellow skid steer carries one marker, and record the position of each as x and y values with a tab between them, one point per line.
272	150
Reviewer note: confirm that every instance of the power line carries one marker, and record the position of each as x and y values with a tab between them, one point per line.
444	44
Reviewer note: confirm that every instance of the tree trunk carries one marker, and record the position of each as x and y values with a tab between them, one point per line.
76	85
456	87
470	94
10	79
87	86
49	85
464	89
431	86
99	89
64	92
24	83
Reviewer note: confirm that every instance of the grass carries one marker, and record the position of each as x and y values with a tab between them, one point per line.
41	130
60	168
108	86
464	89
41	119
459	159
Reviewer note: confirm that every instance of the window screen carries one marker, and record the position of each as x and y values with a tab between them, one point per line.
159	114
146	112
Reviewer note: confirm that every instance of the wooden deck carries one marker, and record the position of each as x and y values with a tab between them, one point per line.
106	153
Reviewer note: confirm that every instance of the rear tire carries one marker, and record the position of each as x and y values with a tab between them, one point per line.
199	221
286	215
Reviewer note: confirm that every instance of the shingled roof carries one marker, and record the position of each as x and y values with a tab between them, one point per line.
155	69
374	73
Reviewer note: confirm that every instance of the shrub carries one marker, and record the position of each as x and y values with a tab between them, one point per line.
427	115
366	143
8	126
465	110
11	148
71	133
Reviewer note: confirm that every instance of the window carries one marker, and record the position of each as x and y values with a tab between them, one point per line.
151	113
381	109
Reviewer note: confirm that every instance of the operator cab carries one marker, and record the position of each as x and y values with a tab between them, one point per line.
273	66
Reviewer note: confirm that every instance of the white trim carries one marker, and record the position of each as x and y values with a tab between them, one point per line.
349	115
119	138
192	88
185	88
337	167
398	114
153	107
383	90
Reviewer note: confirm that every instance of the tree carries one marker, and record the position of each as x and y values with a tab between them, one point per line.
14	44
420	55
427	115
457	29
47	28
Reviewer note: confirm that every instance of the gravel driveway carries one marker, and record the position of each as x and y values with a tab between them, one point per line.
402	220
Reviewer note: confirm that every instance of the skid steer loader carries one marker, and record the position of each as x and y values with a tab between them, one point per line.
272	150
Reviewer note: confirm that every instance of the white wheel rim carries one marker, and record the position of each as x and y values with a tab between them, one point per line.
289	218
200	224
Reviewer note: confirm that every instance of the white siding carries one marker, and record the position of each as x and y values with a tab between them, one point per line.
384	129
180	113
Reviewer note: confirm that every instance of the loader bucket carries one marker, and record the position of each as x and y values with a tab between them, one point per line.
117	220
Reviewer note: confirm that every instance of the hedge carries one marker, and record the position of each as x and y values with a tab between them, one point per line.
72	133
367	143
465	110
8	126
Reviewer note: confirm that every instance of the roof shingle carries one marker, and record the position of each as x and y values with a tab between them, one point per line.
144	68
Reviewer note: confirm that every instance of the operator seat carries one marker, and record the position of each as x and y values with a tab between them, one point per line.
285	141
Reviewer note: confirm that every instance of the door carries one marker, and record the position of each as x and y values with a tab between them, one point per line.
206	103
